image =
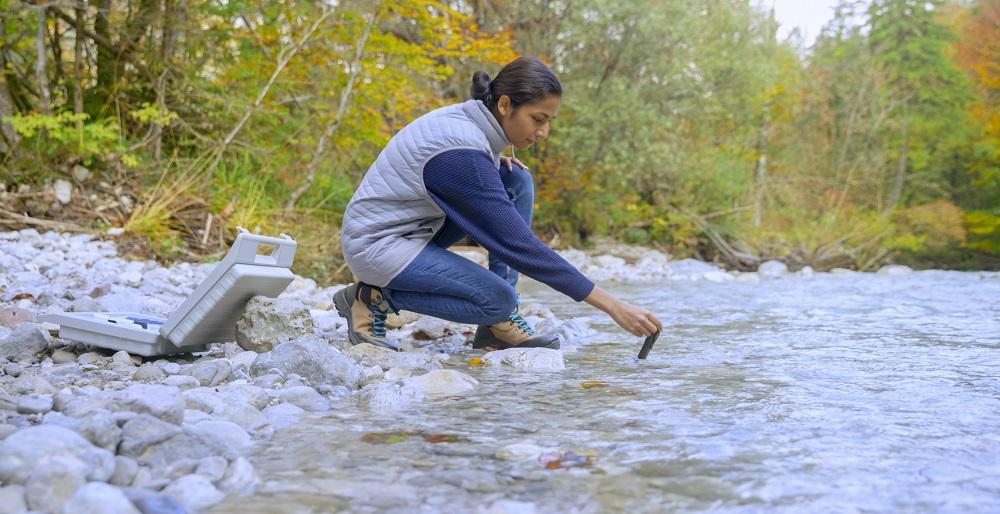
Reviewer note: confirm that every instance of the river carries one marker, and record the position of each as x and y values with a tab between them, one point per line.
838	393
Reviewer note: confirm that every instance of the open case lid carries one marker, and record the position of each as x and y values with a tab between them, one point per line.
255	265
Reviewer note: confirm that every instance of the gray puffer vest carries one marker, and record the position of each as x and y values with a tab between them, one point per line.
391	217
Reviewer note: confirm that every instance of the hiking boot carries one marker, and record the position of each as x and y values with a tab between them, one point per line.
513	333
366	311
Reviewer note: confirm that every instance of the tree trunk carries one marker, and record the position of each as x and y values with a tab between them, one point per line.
44	101
10	138
897	186
78	65
760	167
105	53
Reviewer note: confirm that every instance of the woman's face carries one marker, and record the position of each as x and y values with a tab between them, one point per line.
529	123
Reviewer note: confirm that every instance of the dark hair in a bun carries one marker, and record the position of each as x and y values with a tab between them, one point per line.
525	80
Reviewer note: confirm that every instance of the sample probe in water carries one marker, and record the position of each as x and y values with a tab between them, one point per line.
647	345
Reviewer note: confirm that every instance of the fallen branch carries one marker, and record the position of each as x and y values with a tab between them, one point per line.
13	218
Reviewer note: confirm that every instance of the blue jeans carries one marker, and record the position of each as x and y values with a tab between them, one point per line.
448	286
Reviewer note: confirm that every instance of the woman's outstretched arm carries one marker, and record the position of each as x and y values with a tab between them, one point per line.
634	319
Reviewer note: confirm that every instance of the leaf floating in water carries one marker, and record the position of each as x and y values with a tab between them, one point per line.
591	358
590	384
386	437
565	460
476	361
443	438
398	437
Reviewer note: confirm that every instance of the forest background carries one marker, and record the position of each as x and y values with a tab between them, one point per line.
686	124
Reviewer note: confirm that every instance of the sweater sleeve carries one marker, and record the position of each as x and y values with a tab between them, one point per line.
467	187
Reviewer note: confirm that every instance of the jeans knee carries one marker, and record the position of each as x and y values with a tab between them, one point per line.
500	302
521	181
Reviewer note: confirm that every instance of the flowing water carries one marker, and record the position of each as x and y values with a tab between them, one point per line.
841	393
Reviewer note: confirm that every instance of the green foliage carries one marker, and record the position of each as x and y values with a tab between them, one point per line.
64	134
983	230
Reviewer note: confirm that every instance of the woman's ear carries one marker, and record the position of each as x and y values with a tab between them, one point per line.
503	106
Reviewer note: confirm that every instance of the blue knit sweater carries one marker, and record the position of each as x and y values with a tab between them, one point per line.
467	187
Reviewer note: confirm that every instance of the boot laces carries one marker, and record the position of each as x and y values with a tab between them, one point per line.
515	317
379	318
378	305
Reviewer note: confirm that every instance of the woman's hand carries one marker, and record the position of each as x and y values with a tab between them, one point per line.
508	160
635	320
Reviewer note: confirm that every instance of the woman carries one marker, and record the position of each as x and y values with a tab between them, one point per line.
442	178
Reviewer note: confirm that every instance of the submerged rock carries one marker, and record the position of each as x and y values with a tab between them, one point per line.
388	396
527	359
441	383
520	452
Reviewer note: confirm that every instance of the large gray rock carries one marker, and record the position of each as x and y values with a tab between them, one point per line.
53	482
99	498
210	372
283	415
313	359
230	432
31	384
186	445
23	451
34	404
164	402
143	431
25	342
305	397
98	426
194	492
267	322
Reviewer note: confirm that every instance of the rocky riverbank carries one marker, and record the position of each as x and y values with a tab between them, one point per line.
84	430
